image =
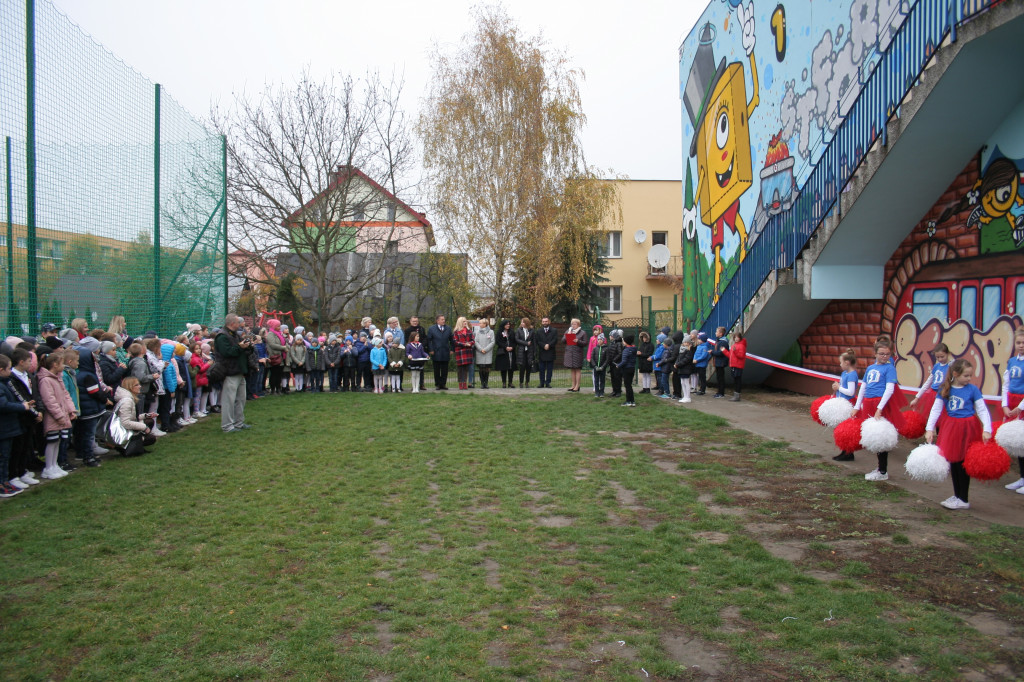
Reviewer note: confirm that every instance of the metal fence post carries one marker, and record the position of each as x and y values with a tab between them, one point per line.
156	210
224	176
10	239
30	159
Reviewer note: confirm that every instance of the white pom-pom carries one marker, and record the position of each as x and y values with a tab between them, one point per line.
1010	437
878	435
926	463
835	411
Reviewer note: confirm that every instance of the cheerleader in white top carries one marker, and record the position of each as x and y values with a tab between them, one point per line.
880	397
1013	396
922	402
961	417
846	388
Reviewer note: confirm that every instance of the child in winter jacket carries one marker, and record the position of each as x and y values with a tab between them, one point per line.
684	367
701	356
58	412
316	363
737	361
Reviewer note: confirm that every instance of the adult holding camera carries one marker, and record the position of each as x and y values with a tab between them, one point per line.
233	353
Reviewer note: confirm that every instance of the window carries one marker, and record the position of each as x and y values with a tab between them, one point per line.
659	238
969	305
1018	305
21	243
992	304
3	240
931	304
57	250
392	210
358	213
609	299
612	247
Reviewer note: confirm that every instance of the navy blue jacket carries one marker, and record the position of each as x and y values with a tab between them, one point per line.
91	397
628	358
11	410
721	345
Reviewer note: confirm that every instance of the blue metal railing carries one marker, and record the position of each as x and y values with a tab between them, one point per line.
785	235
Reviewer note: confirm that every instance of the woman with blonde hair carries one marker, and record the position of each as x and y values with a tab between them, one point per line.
117	327
80	325
464	344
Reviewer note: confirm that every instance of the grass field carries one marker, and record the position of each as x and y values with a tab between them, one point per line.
439	537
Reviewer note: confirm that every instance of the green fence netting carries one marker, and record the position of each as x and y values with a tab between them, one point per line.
113	200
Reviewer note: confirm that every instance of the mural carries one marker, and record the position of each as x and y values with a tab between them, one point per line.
956	279
763	93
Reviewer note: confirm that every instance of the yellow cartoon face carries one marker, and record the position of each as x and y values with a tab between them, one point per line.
999	201
723	150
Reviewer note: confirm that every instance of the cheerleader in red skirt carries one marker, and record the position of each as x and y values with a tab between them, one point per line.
922	402
880	397
1013	396
961	417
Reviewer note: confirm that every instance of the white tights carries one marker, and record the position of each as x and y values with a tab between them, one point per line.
300	381
645	380
416	376
396	381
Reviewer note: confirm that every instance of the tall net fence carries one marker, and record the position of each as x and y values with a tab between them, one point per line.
113	200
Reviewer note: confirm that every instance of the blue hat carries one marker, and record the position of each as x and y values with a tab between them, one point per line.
702	336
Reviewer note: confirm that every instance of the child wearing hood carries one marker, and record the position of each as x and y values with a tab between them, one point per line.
379	362
364	370
701	356
297	360
316	363
349	365
664	366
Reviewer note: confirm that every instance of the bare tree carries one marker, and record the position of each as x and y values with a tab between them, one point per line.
305	168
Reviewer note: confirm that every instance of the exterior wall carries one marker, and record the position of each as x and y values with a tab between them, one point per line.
970	242
652	206
764	88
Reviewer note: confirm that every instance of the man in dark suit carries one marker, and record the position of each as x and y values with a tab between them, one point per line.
547	337
439	347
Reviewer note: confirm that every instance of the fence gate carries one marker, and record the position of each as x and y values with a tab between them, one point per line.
653	320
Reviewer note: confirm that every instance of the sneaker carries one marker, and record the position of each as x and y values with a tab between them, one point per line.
94	462
51	473
16	483
97	450
1020	491
686	400
876	475
30	478
244	426
955	503
192	420
181	422
67	468
157	432
200	415
1016	485
844	457
719	395
7	490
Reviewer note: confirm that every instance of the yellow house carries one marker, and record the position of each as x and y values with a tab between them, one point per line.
652	217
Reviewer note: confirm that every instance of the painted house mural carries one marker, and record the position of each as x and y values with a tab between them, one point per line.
763	93
958	277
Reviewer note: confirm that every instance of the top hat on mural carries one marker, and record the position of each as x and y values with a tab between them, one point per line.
702	81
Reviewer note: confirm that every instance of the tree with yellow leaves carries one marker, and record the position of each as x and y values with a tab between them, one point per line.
500	131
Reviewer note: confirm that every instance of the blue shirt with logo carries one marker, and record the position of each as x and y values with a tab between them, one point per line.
1015	374
845	379
960	402
876	377
939	375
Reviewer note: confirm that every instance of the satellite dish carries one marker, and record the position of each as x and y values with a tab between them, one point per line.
640	236
658	256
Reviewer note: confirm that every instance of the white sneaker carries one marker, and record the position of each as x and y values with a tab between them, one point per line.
1020	491
16	482
200	415
192	420
876	475
1016	485
157	432
53	473
29	477
97	450
955	503
685	400
182	422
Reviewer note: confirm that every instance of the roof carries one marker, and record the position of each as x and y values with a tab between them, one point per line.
344	176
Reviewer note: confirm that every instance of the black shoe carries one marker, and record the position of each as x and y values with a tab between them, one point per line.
844	457
444	388
94	462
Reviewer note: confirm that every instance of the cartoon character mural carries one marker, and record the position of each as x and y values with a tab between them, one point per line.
716	101
997	207
767	133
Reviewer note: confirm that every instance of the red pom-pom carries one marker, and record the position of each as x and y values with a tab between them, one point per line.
986	461
995	427
847	435
818	402
913	426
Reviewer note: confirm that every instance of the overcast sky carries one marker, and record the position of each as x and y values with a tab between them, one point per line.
202	51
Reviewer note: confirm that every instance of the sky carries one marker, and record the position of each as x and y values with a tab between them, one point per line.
204	51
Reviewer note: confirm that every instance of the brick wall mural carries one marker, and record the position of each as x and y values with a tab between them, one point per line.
958	278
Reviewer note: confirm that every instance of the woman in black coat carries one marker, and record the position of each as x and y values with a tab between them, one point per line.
644	351
505	352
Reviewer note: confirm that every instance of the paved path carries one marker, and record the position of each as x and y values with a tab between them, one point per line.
989	501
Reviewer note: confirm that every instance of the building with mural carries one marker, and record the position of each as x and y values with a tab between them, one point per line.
853	168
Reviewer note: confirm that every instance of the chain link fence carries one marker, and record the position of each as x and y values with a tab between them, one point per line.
113	199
